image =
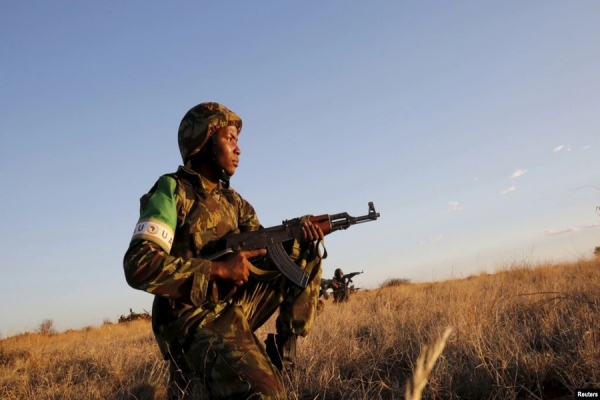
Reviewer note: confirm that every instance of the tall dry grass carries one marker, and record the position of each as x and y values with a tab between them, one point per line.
527	332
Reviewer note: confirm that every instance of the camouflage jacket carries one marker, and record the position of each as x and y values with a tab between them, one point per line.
180	222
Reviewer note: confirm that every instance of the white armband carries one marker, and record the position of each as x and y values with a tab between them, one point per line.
155	231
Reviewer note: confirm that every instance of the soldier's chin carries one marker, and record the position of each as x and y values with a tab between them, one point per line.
230	171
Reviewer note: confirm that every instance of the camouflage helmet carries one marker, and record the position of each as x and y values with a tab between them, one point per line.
338	273
200	123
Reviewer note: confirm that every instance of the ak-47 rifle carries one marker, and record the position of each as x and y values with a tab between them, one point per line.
274	237
348	277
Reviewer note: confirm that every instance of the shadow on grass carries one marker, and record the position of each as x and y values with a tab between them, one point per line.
142	391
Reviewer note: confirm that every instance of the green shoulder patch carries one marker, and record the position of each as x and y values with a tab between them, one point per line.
158	218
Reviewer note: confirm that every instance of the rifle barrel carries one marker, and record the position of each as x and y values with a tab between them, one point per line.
344	220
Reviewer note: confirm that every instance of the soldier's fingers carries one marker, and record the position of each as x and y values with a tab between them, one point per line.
254	253
242	276
239	283
305	232
320	233
316	232
312	228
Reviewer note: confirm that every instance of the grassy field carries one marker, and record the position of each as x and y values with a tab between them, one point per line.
522	333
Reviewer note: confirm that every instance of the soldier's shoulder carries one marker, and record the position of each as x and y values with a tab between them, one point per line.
166	186
166	182
176	180
230	188
234	193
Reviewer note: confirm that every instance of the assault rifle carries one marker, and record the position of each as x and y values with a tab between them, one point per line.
348	277
274	237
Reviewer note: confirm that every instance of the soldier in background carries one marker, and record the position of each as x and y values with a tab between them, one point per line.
205	312
341	285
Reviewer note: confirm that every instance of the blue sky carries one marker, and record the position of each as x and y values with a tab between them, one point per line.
472	126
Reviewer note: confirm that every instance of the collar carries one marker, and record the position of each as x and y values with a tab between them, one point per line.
196	179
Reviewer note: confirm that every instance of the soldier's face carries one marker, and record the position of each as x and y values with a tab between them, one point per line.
227	149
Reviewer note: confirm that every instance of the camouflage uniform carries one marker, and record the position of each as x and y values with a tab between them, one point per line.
339	285
206	328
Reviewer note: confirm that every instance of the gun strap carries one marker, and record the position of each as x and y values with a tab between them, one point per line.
320	243
263	275
295	252
258	273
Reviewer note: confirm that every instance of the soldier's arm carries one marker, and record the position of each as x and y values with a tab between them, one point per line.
147	263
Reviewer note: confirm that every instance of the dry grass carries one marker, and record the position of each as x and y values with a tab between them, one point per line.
529	333
117	361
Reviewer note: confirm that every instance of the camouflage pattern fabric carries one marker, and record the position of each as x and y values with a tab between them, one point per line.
207	329
340	288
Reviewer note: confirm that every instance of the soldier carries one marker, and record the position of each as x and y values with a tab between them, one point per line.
338	284
205	312
338	275
341	285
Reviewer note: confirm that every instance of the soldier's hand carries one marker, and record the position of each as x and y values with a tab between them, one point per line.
236	267
311	232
